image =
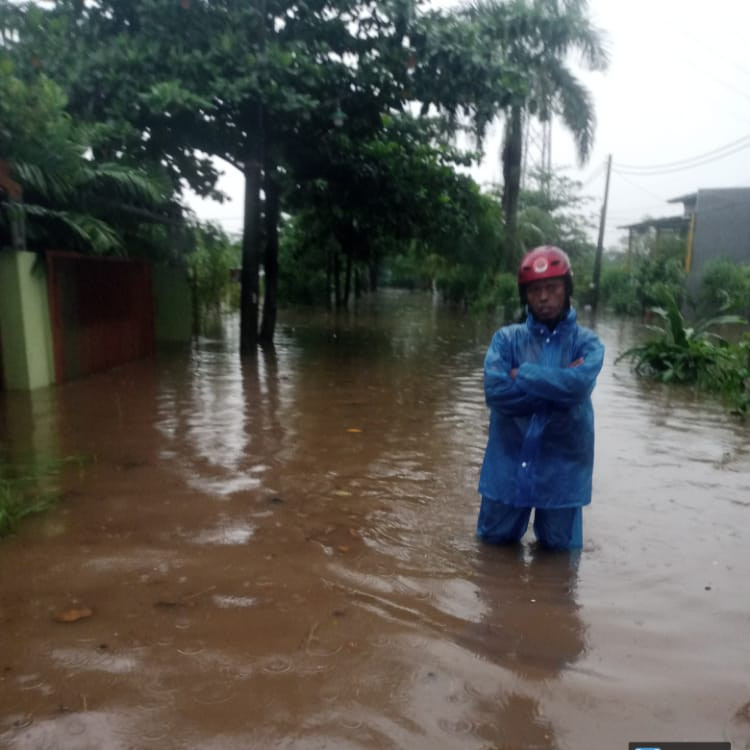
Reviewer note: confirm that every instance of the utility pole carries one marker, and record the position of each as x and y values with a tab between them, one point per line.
600	242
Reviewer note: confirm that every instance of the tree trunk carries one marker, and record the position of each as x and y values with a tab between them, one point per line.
348	276
336	280
271	260
250	256
373	269
512	160
251	232
329	277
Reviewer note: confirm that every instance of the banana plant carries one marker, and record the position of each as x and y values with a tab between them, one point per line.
695	354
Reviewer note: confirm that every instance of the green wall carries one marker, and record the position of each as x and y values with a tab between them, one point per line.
25	330
173	304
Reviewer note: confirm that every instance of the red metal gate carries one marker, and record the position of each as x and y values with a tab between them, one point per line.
102	312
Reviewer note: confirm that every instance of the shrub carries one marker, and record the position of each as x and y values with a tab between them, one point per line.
619	290
725	285
680	353
498	294
211	264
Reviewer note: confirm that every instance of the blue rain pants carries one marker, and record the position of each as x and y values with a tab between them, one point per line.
559	529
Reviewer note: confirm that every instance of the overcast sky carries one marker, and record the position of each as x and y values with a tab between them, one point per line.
677	88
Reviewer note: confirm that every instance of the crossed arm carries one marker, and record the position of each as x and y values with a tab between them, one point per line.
526	388
574	363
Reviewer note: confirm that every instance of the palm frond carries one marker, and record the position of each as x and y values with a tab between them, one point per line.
129	184
48	184
95	233
574	104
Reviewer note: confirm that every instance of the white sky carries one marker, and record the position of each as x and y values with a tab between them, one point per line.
678	86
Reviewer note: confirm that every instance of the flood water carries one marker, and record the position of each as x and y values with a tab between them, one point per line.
280	553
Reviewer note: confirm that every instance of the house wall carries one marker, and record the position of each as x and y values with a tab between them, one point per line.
25	332
27	344
722	229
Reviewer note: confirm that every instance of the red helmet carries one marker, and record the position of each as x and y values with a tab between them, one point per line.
545	262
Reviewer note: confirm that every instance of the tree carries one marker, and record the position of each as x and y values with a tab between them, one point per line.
379	196
258	85
553	211
253	83
536	38
64	198
210	264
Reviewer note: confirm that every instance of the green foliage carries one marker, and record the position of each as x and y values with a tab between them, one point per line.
305	247
27	490
552	211
660	273
33	120
396	193
70	201
210	267
412	268
537	39
697	355
455	261
459	71
725	285
619	288
259	85
498	294
651	272
473	265
535	42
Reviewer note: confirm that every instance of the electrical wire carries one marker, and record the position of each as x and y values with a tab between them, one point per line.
712	50
695	161
597	171
638	187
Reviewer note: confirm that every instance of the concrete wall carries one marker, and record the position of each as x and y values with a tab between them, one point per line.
173	305
722	229
25	332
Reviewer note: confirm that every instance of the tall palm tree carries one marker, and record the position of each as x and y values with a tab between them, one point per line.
538	38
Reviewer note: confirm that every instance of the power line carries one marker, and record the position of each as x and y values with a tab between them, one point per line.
694	161
597	171
713	50
638	187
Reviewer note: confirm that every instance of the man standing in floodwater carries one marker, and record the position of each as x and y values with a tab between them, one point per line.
538	379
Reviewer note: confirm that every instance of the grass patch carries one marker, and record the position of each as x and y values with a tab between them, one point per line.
29	489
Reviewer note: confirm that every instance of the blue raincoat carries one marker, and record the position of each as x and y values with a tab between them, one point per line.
540	450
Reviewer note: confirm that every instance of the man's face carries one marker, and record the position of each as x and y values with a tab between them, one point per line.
546	299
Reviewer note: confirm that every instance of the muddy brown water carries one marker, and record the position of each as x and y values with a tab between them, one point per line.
280	553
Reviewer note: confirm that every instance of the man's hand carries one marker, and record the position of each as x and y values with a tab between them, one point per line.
513	373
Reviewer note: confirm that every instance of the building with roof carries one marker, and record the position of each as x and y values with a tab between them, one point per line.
715	223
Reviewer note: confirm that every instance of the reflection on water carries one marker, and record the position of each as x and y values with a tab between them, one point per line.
530	623
279	551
